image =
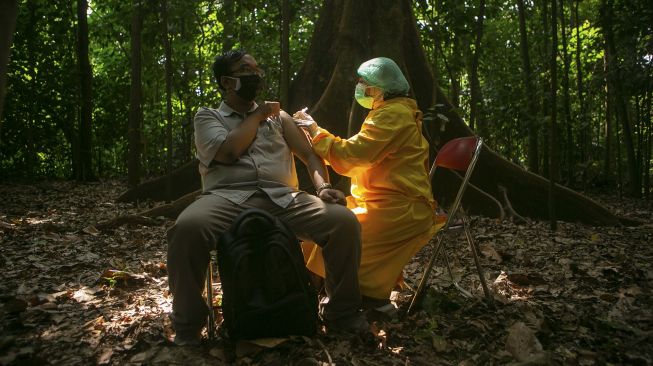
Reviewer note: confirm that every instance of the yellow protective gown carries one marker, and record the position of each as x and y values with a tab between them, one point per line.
391	193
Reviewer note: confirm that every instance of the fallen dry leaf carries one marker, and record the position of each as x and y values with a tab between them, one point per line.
580	288
522	342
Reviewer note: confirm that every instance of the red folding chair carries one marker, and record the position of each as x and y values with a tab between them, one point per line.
459	154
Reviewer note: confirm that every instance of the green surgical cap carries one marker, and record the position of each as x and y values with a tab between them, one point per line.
384	73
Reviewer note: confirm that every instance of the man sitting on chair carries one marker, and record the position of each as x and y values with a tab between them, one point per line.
246	160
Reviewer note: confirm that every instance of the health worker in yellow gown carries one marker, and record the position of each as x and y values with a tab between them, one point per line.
387	161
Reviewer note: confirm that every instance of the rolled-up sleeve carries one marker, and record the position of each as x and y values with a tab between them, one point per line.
210	133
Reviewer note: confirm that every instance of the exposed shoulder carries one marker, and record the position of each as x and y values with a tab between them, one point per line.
295	137
286	119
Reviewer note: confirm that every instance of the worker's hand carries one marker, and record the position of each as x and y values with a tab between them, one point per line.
305	121
331	195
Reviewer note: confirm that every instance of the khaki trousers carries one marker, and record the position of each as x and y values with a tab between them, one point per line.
332	227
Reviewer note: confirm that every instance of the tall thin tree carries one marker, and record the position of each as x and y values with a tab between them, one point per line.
553	161
135	98
476	114
585	132
85	169
455	74
545	54
649	126
430	12
284	82
566	99
531	102
7	25
615	82
168	76
607	130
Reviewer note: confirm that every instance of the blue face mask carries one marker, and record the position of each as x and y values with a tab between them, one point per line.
364	100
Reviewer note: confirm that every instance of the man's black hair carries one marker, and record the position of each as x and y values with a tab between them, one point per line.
222	64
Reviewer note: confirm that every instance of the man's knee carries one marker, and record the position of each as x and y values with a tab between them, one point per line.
190	231
340	221
343	217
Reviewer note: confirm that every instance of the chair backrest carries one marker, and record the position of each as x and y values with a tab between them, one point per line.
459	154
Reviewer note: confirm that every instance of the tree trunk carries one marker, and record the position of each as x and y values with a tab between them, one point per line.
545	55
187	120
455	74
566	102
532	120
284	82
649	147
135	111
359	30
607	132
34	73
553	156
168	76
85	171
200	56
8	14
639	133
585	132
187	94
185	179
431	16
476	116
620	182
621	111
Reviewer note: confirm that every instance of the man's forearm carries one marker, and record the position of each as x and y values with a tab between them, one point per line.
238	140
318	171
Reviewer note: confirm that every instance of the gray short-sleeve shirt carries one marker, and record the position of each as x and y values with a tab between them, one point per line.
268	163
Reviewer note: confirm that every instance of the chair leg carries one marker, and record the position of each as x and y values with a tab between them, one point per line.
453	280
210	322
477	262
420	288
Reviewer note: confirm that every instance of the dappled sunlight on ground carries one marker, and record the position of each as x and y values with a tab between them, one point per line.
74	294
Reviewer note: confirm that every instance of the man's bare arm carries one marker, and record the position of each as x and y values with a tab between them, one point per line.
300	146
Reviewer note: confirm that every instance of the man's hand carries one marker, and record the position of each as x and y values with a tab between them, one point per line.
331	195
267	109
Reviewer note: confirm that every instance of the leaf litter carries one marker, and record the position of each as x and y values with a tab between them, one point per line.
74	294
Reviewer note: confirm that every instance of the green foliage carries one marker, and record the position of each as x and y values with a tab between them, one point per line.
40	107
39	135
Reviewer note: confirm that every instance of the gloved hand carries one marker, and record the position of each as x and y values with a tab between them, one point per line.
305	121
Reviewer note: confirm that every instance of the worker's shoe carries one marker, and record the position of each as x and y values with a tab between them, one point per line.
380	307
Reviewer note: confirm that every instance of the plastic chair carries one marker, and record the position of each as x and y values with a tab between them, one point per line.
459	154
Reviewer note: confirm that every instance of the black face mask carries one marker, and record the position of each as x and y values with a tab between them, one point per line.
249	86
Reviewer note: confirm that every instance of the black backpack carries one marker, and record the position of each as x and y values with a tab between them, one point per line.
266	289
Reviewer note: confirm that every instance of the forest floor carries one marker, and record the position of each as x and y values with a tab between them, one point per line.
73	294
